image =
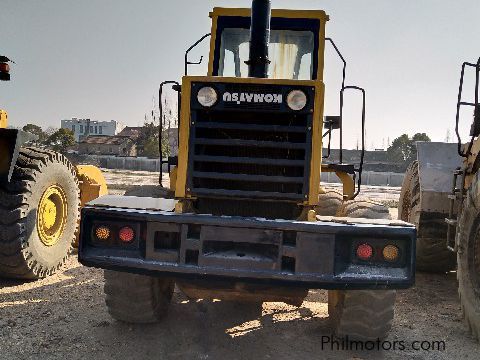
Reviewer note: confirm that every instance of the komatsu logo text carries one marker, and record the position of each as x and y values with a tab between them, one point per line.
240	98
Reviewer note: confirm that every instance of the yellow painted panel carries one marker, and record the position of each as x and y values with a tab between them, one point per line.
281	13
316	150
181	184
234	80
346	179
173	178
3	119
92	183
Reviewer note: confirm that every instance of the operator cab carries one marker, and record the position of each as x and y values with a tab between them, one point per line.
293	49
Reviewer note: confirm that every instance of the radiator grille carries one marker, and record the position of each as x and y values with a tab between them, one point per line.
247	153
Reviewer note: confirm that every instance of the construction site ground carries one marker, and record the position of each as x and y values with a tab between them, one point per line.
64	317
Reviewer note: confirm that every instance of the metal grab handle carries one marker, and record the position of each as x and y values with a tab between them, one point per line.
341	58
362	154
187	62
160	127
342	91
329	134
451	222
344	74
461	103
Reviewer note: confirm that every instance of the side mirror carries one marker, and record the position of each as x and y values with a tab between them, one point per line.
332	122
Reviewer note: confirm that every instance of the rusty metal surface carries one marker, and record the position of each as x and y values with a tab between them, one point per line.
435	202
238	291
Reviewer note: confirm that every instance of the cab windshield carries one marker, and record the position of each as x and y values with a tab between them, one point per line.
290	53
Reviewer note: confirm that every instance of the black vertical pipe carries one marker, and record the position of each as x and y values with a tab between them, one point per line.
259	39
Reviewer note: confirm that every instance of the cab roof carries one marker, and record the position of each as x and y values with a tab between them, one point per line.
278	13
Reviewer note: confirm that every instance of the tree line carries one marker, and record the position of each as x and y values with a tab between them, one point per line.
56	139
403	150
62	139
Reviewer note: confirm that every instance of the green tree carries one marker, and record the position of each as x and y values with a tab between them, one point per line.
36	130
399	150
61	140
150	148
147	142
403	150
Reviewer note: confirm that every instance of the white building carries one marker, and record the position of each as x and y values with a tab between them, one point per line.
85	127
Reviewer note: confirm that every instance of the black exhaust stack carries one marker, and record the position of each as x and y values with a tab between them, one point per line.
259	39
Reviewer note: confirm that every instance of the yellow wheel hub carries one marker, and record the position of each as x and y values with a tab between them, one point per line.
52	215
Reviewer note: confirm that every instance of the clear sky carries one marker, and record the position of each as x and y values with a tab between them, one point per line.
104	59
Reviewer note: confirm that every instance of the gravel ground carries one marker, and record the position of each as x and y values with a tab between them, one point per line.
64	317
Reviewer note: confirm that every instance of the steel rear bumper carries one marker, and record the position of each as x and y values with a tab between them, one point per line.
291	253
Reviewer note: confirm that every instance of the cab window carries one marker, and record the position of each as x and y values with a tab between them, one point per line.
292	51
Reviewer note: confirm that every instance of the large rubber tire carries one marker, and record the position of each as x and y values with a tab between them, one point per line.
136	298
432	253
364	209
22	253
362	314
468	257
329	203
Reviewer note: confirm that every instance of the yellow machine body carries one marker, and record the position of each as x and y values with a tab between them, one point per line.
180	186
181	190
92	183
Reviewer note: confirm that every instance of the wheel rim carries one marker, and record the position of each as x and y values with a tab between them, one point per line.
52	215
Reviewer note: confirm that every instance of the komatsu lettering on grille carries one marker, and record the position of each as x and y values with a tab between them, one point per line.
252	98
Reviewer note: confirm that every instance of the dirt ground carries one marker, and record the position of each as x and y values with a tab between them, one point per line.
64	317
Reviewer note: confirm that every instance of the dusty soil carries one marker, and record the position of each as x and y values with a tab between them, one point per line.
64	317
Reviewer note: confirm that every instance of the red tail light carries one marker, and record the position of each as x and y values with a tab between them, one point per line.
364	251
126	234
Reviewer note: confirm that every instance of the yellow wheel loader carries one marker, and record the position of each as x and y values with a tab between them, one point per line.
41	193
441	196
247	219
